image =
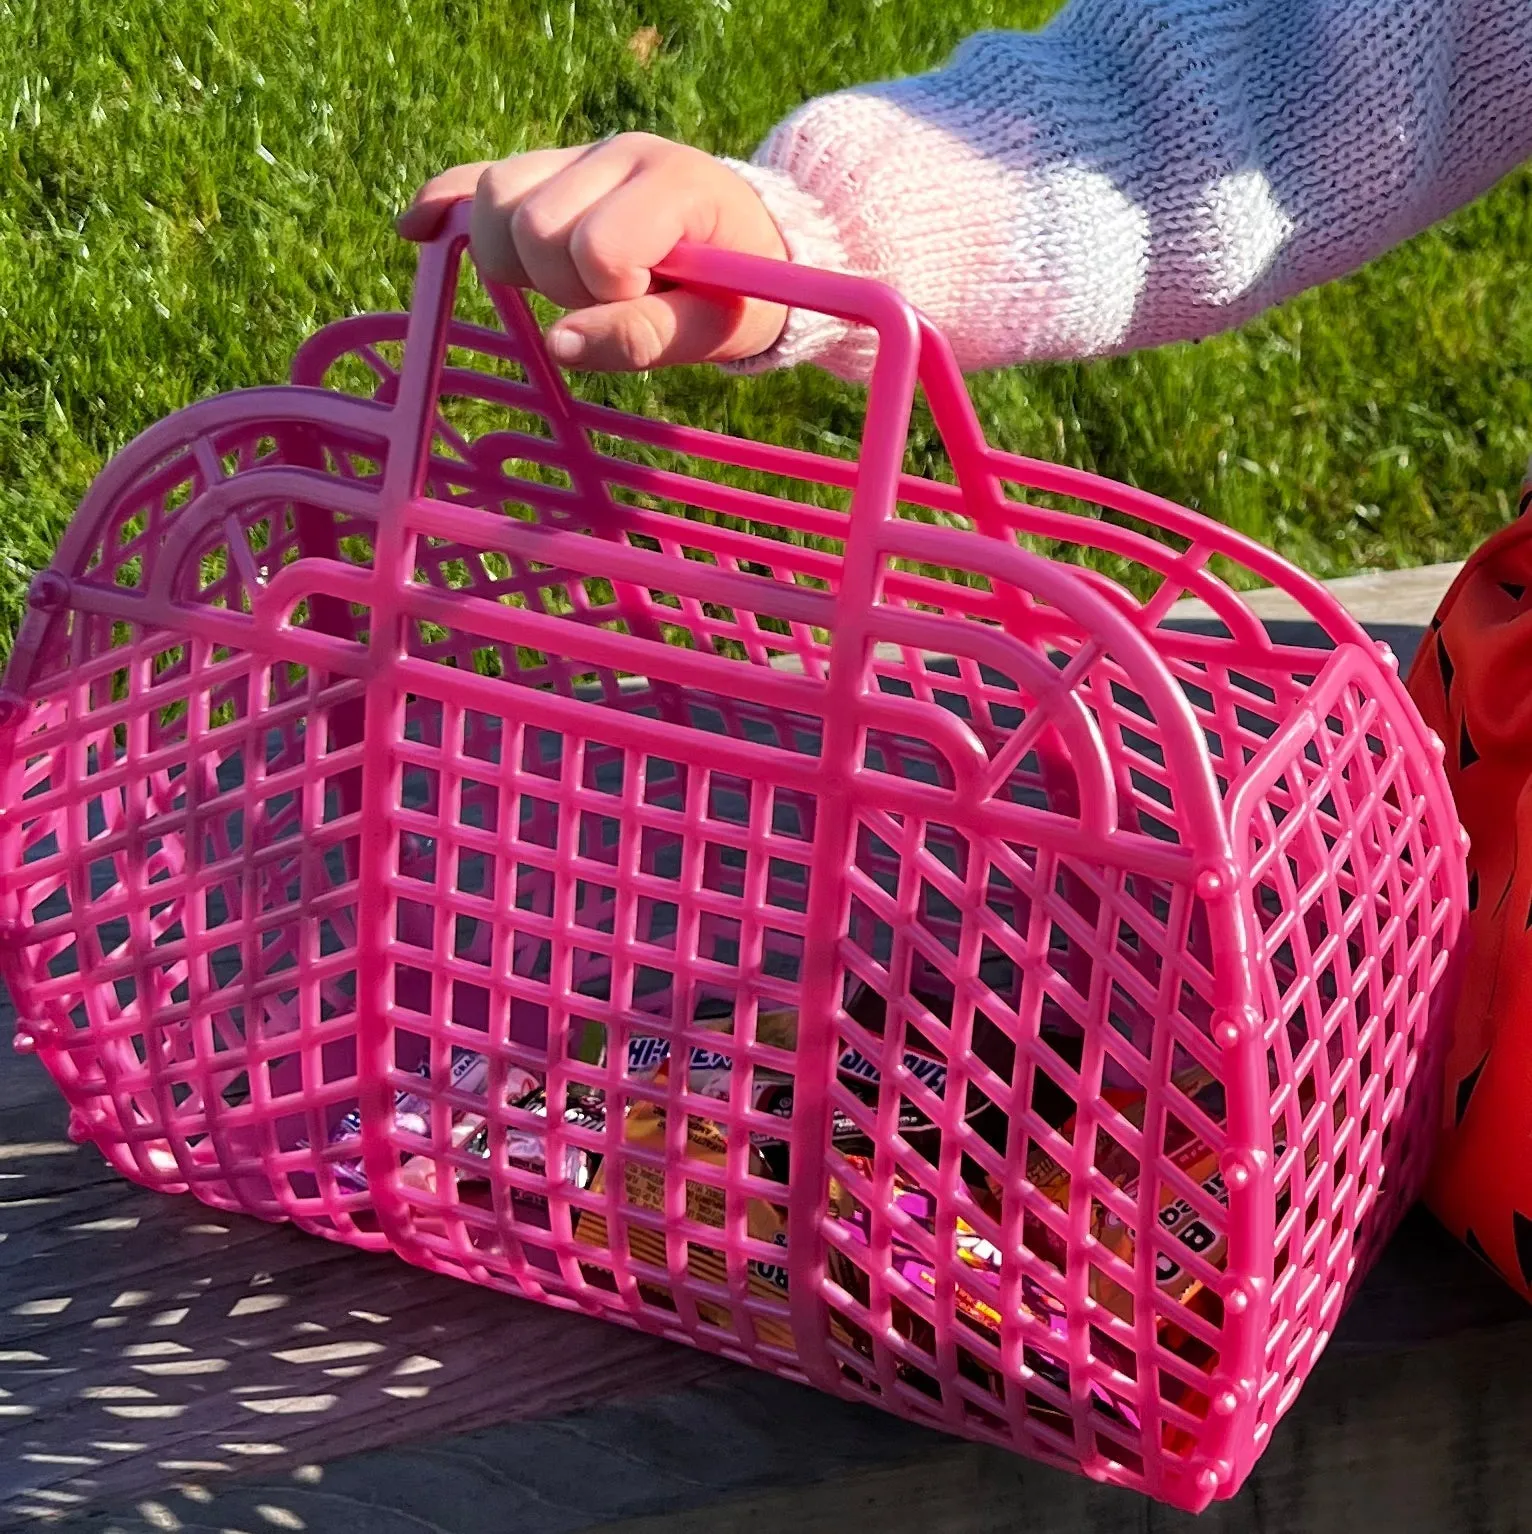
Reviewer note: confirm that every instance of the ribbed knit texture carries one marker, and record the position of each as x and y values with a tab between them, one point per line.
1143	171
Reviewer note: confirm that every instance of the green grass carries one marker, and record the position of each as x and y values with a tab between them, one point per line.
189	187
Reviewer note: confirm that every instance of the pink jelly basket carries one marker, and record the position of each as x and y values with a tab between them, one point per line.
403	770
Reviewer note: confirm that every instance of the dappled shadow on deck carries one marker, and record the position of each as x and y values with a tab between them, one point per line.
148	1341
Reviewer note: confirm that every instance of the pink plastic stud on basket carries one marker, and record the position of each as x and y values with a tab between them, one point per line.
758	897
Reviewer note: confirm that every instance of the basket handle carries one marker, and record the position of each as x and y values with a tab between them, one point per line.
858	300
910	349
902	336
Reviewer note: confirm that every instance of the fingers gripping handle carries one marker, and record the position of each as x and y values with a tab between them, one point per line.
704	270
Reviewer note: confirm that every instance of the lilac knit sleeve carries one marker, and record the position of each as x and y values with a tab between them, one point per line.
1142	171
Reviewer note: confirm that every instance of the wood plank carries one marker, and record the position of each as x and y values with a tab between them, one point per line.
1380	597
1420	1442
1423	1441
141	1331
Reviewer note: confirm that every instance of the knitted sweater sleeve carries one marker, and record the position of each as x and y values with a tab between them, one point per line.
1143	171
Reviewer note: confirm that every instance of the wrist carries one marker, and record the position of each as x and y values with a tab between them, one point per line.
810	237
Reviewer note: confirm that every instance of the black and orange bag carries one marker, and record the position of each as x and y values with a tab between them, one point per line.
1472	680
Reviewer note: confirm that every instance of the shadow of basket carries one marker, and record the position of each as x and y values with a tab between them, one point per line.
148	1341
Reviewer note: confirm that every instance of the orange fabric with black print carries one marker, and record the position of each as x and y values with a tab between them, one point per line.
1472	680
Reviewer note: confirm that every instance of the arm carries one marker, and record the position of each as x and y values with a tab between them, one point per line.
1142	171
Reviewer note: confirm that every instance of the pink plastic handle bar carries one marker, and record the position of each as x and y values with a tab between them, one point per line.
890	390
908	346
359	756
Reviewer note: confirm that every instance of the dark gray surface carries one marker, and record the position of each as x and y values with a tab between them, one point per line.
1428	1441
142	1334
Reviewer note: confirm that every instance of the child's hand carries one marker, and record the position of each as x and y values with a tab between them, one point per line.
585	226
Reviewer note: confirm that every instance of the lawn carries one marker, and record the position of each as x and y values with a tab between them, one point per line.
192	185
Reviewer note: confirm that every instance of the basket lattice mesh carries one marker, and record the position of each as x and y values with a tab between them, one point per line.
401	783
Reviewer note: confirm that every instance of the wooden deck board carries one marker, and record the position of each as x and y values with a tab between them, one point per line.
1427	1440
141	1332
1383	597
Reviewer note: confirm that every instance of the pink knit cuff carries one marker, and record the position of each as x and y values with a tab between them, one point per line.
812	239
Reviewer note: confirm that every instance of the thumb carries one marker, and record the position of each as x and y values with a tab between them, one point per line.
425	214
664	329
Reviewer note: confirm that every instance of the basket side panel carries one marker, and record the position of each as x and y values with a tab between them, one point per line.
1059	1207
1351	864
182	880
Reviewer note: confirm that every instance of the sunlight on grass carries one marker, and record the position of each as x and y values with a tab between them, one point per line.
194	186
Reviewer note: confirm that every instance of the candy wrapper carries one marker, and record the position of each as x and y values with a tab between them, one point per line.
470	1132
1177	1216
1186	1151
644	1188
976	1302
412	1110
528	1149
1192	1231
710	1074
710	1071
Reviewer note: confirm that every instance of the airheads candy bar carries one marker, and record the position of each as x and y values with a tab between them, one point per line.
710	1075
644	1188
1185	1150
1181	1221
1193	1232
646	1053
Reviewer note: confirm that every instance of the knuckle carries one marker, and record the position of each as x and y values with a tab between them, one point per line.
487	189
638	338
597	251
638	144
534	222
486	236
